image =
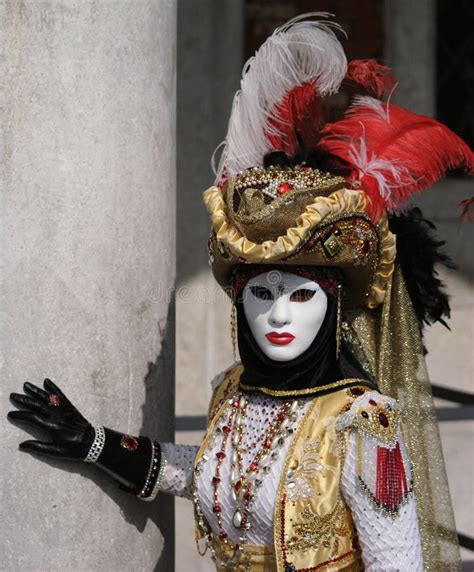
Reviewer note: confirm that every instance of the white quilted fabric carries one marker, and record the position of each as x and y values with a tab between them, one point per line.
177	478
178	474
387	544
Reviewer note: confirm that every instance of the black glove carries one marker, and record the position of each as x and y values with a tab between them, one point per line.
49	409
132	461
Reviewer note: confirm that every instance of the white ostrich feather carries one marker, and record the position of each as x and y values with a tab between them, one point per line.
379	169
296	53
372	104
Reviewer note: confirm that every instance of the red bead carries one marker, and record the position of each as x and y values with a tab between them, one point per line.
372	402
128	442
54	400
247	495
253	467
215	480
235	404
220	455
284	188
267	443
216	508
383	420
226	429
222	535
238	486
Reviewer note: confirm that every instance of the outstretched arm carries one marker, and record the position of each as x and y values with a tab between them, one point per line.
134	462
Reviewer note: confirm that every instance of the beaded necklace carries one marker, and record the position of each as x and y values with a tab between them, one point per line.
244	482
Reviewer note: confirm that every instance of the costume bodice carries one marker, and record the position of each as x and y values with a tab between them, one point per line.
317	492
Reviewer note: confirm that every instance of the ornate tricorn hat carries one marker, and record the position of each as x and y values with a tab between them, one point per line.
299	215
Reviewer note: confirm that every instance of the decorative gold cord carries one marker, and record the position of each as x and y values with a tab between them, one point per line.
233	330
350	381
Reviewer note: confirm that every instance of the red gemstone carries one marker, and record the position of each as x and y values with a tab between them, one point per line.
372	402
220	455
222	535
215	480
284	188
267	443
54	400
128	442
383	420
238	486
216	508
253	467
247	495
226	429
235	404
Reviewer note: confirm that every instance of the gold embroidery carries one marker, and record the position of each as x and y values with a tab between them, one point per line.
317	531
313	525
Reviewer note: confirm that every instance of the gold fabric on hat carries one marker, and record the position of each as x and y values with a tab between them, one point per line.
332	230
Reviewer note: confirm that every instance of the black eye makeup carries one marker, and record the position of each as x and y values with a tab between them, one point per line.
302	295
261	292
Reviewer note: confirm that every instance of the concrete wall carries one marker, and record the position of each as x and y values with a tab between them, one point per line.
88	246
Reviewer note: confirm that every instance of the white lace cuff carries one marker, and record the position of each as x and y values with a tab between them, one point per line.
177	475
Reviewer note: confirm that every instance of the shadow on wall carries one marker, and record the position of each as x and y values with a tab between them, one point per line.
159	386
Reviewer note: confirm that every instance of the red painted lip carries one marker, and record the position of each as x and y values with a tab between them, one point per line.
280	339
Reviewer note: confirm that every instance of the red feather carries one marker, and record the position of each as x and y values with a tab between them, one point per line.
298	120
375	77
393	153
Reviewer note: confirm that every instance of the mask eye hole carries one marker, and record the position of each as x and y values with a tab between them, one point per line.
302	295
261	292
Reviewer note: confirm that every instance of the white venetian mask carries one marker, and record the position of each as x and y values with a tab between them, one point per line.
284	312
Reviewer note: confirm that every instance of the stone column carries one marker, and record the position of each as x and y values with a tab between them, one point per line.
88	243
410	49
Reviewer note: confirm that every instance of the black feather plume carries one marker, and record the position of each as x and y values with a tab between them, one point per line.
418	252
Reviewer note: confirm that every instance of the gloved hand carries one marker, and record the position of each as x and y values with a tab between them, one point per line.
71	435
134	462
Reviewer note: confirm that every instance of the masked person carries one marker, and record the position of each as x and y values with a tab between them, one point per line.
322	451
